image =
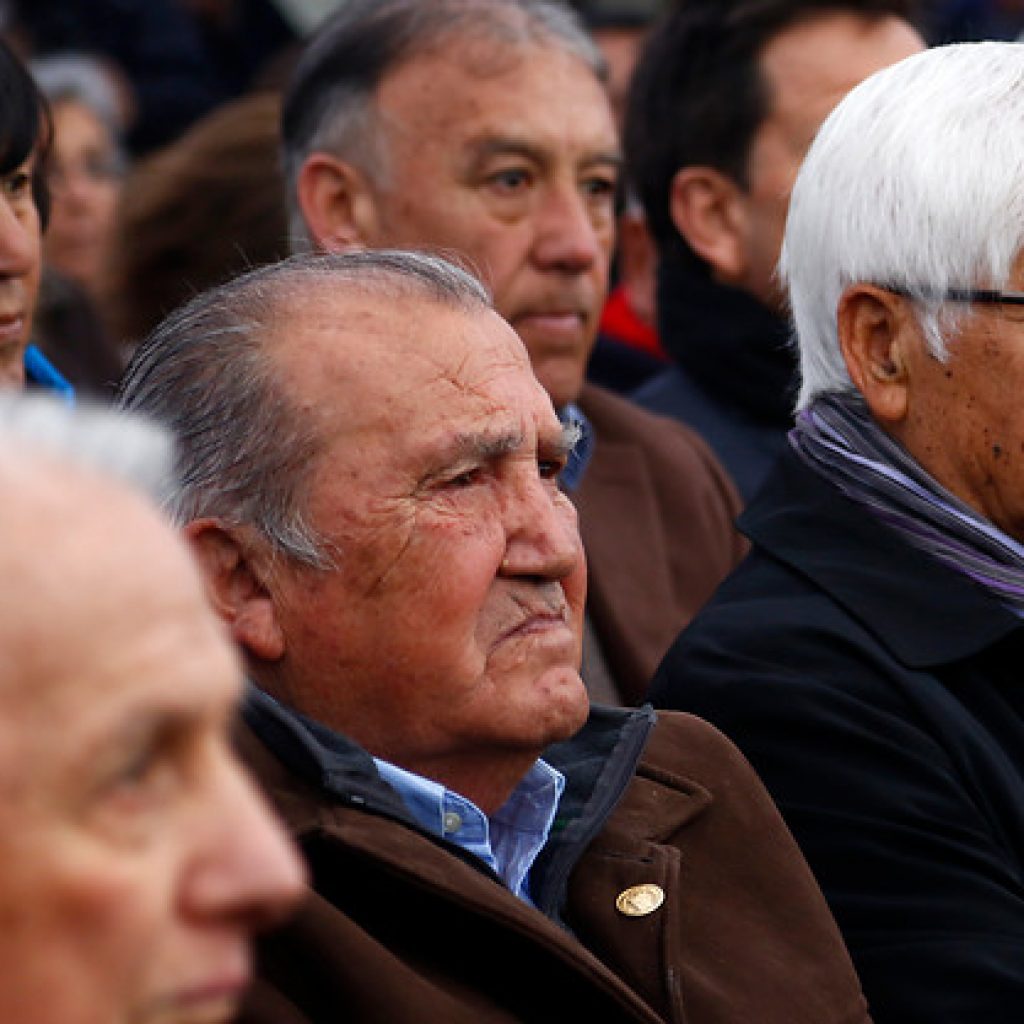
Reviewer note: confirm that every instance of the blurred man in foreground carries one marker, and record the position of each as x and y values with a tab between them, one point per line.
136	861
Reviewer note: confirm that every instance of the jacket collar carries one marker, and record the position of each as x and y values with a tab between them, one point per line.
923	612
598	764
598	761
326	762
729	343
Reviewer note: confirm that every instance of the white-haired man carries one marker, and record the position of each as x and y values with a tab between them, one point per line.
866	656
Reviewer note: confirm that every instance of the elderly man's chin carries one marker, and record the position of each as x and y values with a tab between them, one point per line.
569	698
551	702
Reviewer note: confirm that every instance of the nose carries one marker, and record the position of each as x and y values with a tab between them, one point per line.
245	871
542	537
571	238
18	241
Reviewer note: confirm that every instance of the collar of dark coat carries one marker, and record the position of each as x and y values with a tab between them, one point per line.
315	763
726	341
923	612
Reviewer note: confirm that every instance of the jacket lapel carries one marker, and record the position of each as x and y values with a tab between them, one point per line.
631	596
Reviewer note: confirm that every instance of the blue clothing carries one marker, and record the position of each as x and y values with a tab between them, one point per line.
39	371
579	457
509	842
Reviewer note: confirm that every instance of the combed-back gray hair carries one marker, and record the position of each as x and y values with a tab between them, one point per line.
245	451
125	447
328	106
915	181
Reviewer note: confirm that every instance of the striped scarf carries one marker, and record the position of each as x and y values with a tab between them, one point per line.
838	439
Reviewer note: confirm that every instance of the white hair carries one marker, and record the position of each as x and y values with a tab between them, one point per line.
915	181
122	446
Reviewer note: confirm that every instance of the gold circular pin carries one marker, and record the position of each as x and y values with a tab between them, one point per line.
640	900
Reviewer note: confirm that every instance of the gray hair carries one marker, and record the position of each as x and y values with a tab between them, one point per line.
245	450
79	76
329	107
916	182
121	446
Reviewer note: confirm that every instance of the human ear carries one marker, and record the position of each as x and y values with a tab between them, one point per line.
337	203
875	328
235	577
707	209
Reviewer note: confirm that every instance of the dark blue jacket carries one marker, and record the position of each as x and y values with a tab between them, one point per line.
880	696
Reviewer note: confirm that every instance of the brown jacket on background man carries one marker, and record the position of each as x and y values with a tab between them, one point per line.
656	513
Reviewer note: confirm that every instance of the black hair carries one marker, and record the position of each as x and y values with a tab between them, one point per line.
25	126
698	96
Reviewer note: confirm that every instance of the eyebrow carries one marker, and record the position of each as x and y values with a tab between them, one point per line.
490	448
480	447
508	145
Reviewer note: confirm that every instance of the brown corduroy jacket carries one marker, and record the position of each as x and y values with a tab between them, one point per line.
403	927
656	514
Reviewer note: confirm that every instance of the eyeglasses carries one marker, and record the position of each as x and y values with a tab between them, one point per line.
984	296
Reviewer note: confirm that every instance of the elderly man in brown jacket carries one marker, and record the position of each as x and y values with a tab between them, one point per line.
372	491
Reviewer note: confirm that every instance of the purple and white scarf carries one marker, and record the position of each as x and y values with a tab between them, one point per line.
838	439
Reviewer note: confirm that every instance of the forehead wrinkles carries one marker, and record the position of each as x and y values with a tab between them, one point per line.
431	95
374	359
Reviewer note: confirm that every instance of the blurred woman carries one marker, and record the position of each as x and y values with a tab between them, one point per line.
86	164
197	213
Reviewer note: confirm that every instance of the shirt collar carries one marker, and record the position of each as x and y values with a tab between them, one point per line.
509	841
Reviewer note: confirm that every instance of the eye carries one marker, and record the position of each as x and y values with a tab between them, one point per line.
467	478
144	772
549	469
17	183
510	180
600	187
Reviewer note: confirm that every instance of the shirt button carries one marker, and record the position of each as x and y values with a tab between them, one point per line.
452	822
640	900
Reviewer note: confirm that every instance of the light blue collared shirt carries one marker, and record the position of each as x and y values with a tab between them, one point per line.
509	841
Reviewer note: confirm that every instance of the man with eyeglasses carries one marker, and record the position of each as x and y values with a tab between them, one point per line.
866	657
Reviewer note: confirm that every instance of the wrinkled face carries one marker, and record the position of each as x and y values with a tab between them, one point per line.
448	636
511	160
966	421
808	69
84	178
20	259
135	858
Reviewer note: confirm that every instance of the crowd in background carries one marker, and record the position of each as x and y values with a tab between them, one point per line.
719	417
164	126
